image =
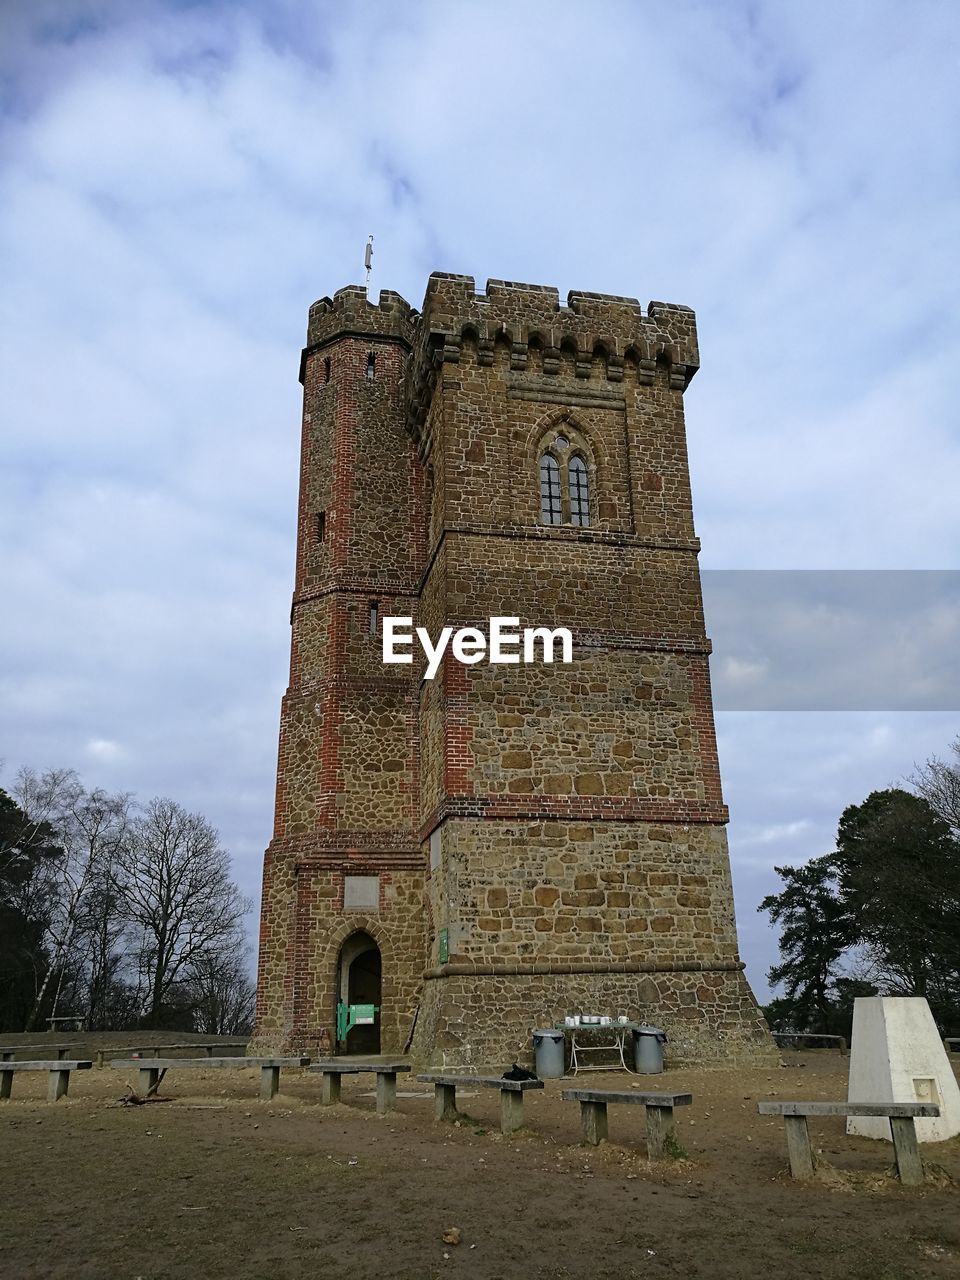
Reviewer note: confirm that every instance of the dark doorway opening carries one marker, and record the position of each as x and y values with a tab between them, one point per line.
360	981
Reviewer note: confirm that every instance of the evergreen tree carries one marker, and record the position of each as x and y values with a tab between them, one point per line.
888	900
898	870
816	931
26	848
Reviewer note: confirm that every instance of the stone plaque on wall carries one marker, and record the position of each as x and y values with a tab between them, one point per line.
361	893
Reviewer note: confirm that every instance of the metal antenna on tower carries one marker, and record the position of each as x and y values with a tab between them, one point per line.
368	258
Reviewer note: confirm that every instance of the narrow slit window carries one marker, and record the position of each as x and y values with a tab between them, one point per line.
326	369
550	509
579	492
371	365
374	616
321	526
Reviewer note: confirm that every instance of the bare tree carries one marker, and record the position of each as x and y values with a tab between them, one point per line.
221	992
173	877
89	828
938	781
102	986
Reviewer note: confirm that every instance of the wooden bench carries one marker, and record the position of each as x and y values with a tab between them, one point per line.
153	1050
332	1071
148	1069
952	1043
900	1114
56	1050
659	1113
58	1080
78	1020
511	1096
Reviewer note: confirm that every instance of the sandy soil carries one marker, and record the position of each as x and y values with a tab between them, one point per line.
216	1184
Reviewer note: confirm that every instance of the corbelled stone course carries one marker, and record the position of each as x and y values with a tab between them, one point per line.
541	838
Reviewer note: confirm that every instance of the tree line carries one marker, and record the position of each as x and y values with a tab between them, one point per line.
118	912
880	913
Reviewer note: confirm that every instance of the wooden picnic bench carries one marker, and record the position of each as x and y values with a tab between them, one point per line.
57	1050
511	1095
332	1071
900	1114
659	1113
209	1047
148	1069
58	1080
78	1019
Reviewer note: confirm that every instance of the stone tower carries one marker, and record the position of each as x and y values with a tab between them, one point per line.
482	853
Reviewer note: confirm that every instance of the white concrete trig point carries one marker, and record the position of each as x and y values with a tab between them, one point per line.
896	1055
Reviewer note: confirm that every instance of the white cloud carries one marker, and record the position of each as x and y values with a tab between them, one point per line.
776	832
180	182
739	671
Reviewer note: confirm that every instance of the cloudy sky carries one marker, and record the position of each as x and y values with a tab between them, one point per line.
181	180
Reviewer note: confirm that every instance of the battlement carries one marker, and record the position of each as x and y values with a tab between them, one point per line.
595	335
520	312
350	311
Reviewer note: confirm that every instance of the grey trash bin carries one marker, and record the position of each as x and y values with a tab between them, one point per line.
548	1052
648	1045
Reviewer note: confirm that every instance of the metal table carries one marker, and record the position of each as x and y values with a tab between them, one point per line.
616	1036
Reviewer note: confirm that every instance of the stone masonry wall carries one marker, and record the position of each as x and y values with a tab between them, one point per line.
323	927
538	892
482	1021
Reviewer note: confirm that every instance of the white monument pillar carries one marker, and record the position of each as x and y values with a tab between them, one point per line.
896	1055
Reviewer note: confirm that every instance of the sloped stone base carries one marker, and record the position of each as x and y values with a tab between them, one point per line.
484	1019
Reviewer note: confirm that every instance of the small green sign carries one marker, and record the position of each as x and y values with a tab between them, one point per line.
354	1015
444	949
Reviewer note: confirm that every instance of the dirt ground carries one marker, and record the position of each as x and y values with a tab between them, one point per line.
215	1183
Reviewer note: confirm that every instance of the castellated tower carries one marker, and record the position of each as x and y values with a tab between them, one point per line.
482	853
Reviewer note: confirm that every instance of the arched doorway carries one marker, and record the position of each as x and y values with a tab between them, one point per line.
359	981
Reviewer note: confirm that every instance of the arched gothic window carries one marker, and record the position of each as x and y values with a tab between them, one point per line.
551	511
579	492
564	483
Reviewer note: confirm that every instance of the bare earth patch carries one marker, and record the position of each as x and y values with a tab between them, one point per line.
217	1184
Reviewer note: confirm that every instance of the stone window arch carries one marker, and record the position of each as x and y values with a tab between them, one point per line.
567	476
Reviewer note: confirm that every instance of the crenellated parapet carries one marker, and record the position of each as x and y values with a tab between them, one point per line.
594	336
350	313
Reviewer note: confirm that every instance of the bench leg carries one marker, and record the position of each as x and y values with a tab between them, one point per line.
57	1085
147	1078
659	1129
445	1102
798	1147
6	1083
593	1120
386	1091
909	1164
7	1055
511	1110
329	1088
269	1082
